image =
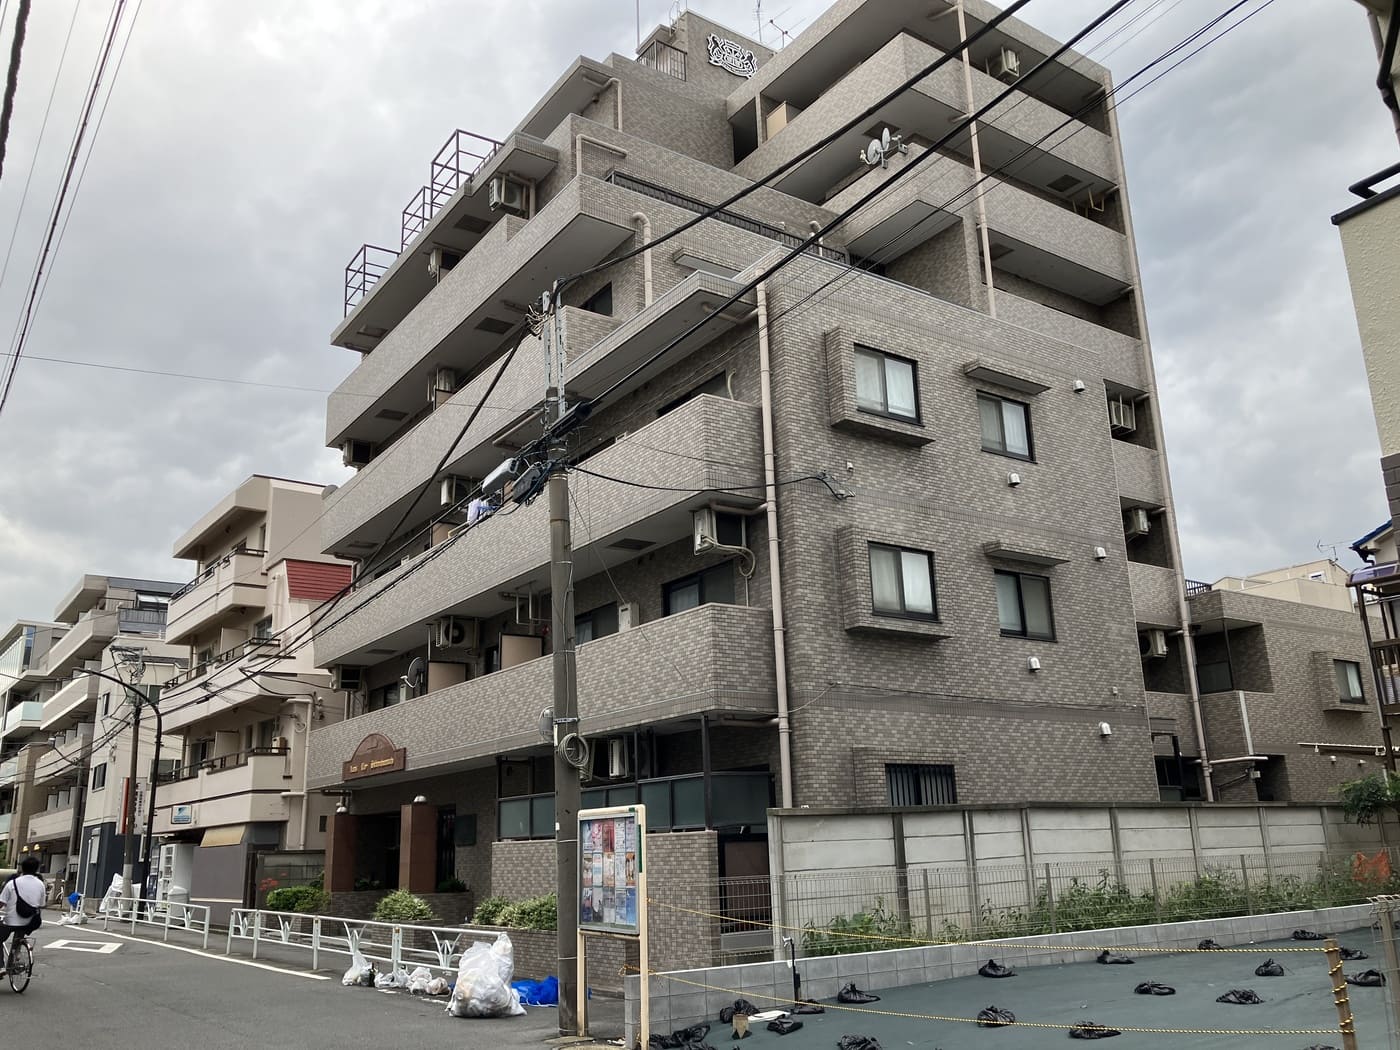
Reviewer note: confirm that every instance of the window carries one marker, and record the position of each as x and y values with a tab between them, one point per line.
1214	677
1023	605
718	385
106	704
901	582
99	776
921	785
321	823
1348	674
714	585
263	628
1006	426
886	385
597	623
600	302
384	696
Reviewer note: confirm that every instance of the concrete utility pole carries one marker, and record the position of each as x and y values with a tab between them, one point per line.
567	789
133	663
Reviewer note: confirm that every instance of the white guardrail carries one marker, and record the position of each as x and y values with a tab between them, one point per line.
162	915
391	944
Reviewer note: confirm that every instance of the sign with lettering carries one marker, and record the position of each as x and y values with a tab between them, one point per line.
182	814
376	754
612	869
731	57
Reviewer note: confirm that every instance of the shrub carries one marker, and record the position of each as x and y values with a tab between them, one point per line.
866	931
402	906
452	886
1367	799
488	912
537	913
306	899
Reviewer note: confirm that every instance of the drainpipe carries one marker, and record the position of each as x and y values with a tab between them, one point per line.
1183	611
982	232
645	223
775	576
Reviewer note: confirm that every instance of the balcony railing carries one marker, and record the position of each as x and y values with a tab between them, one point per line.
363	271
212	568
462	156
665	58
217	765
25	714
270	645
673	804
1195	587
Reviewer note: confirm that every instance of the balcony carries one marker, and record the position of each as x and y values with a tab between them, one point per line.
6	819
22	719
64	762
9	771
185	700
73	703
1139	474
51	825
713	658
1122	357
1155	592
239	788
85	640
235	583
708	445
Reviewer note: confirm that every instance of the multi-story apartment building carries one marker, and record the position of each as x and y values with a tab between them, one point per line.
251	693
974	538
59	712
22	650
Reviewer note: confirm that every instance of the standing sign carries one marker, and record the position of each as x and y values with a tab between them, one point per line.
612	892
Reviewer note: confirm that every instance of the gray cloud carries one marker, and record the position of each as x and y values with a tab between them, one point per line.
250	148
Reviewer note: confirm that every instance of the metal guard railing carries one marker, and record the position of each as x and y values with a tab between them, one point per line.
395	945
363	271
161	915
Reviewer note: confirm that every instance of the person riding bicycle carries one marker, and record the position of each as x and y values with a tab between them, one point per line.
23	900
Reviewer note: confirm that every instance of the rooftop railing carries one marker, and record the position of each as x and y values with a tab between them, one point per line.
661	56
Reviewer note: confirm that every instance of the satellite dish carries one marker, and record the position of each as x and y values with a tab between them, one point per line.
417	673
885	141
874	153
547	725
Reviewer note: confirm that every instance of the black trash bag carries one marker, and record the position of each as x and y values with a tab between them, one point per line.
740	1035
1092	1030
992	968
741	1006
858	1042
852	994
1308	935
807	1006
1268	968
1352	954
726	1014
1239	997
1108	958
1367	979
994	1017
783	1025
1209	945
660	1042
1153	988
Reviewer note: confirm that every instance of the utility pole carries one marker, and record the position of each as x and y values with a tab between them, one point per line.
567	789
133	663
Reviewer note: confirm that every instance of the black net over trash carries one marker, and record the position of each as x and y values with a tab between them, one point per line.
1092	1030
992	968
1239	997
1268	968
1108	958
1308	935
1352	954
1367	979
858	1042
994	1017
783	1026
852	994
1153	988
1209	945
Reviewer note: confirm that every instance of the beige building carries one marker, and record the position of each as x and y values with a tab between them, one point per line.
1322	583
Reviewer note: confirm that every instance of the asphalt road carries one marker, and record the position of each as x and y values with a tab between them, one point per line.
144	994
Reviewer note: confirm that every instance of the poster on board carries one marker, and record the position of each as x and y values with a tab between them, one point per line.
611	845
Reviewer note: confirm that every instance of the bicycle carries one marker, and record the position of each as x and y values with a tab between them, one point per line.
23	954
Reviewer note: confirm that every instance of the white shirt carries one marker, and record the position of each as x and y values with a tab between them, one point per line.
31	888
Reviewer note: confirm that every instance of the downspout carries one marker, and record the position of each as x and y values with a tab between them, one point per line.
1385	80
1183	611
982	233
641	218
775	575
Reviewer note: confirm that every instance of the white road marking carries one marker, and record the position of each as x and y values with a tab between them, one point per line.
215	958
93	947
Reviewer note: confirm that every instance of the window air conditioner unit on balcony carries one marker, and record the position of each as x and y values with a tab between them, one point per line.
1122	416
444	381
506	195
454	632
1153	643
619	761
440	260
347	679
705	529
453	491
1137	523
1006	66
355	453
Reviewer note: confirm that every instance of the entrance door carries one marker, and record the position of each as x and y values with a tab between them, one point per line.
446	844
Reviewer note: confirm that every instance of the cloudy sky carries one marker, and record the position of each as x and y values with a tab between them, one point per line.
250	147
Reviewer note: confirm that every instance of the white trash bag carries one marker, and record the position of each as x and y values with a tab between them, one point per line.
114	894
361	972
392	981
437	986
483	982
419	980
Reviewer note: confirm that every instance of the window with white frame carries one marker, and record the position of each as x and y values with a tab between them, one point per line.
901	582
887	385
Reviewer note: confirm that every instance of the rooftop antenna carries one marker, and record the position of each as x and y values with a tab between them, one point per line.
1323	548
758	14
783	33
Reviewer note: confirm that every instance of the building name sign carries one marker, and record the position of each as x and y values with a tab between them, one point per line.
376	754
182	814
731	57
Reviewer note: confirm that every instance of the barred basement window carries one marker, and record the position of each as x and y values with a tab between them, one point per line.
921	784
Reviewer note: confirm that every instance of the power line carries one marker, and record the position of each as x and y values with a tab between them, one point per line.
12	79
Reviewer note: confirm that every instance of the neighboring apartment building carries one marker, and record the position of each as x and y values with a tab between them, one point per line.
22	650
967	592
251	693
1322	582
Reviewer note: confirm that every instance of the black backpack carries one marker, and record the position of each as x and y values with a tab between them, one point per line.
25	909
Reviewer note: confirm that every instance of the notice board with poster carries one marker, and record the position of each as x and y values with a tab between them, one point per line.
612	892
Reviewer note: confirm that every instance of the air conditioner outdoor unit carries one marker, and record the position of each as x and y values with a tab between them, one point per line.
1007	65
453	491
506	195
444	381
1153	643
1137	523
454	632
619	764
705	529
440	260
1122	416
629	615
347	679
355	453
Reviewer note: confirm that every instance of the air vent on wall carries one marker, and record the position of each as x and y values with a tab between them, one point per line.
494	325
1065	183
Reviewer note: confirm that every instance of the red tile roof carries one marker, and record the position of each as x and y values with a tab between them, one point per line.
316	581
